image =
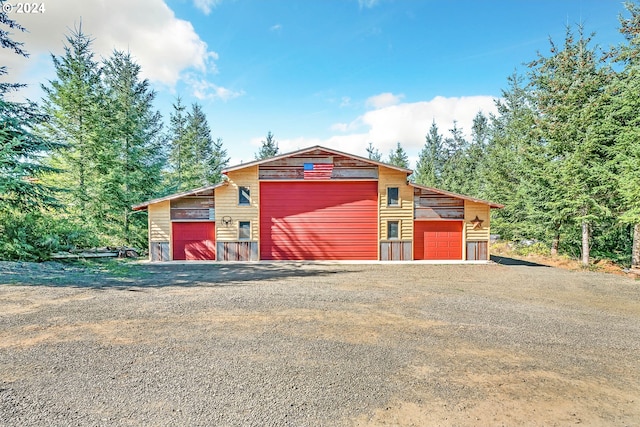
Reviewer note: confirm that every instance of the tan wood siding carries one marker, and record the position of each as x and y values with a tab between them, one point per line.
404	211
292	167
431	205
160	222
192	208
227	205
471	210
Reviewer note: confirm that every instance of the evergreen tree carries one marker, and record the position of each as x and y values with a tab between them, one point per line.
20	147
429	167
509	166
76	105
454	175
624	122
398	157
217	162
373	153
269	148
132	163
178	145
475	156
195	159
568	85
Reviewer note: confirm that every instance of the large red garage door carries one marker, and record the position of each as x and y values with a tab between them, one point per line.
438	240
194	240
319	220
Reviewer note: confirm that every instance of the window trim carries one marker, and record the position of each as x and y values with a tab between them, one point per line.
397	222
240	230
397	203
240	188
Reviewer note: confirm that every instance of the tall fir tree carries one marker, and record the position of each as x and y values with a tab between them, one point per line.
217	162
269	147
21	149
178	146
568	85
624	121
430	161
509	171
131	169
398	157
76	104
454	177
195	159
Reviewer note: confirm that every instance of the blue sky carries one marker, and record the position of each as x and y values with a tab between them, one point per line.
339	73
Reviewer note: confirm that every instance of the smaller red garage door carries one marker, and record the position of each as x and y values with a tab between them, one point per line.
437	240
194	240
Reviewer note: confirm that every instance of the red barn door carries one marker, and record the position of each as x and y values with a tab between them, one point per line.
319	220
194	240
437	240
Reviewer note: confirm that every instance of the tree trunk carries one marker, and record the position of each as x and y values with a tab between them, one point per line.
635	251
585	243
555	244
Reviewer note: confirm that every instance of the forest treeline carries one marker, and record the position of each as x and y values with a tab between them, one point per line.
562	153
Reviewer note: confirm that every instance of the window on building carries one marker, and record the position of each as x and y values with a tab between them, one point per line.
244	196
244	230
392	196
393	230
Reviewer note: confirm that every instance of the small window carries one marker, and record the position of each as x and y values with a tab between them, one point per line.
392	196
244	230
244	196
393	229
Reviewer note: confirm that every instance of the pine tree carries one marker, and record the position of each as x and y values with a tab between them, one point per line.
373	153
624	119
217	162
131	171
177	146
195	159
568	85
454	175
429	167
509	166
268	149
475	156
20	147
398	157
76	105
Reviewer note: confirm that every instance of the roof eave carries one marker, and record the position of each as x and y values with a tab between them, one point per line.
315	147
145	205
459	196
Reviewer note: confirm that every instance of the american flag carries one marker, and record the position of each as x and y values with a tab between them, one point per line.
318	170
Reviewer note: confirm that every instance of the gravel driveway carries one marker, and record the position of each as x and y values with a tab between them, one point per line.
317	345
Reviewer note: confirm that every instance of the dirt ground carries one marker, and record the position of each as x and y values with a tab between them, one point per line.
458	345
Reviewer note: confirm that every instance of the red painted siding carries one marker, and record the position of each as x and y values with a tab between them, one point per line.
194	240
319	220
438	240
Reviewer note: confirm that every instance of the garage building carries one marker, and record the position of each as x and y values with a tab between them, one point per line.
317	204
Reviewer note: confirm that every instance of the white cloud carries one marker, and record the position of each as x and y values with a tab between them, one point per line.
276	27
204	89
383	100
407	123
162	44
206	5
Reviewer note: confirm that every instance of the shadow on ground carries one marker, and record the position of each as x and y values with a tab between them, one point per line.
128	275
515	262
